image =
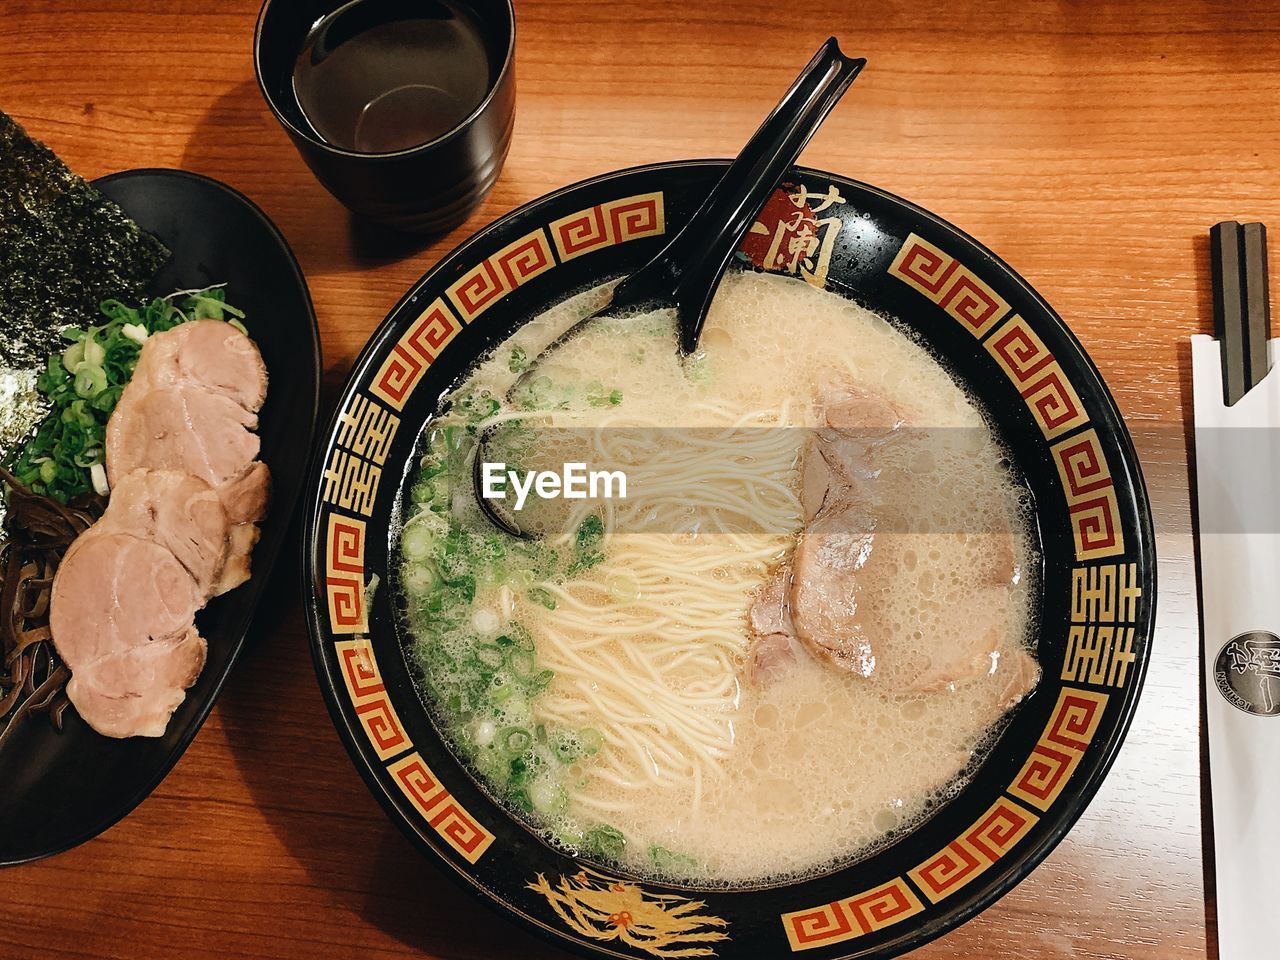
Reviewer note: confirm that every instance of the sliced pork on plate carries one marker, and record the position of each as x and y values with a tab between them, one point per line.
209	354
186	490
192	405
184	514
122	619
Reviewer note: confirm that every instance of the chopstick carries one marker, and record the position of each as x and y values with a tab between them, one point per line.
1257	299
1241	304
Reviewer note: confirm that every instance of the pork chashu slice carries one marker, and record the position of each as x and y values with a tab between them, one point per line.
210	354
192	406
830	595
178	511
184	514
121	615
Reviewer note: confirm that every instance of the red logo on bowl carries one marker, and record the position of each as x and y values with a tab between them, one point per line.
790	237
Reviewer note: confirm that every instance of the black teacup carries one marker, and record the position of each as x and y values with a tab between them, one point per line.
403	113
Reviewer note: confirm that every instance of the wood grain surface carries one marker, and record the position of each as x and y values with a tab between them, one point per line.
1090	144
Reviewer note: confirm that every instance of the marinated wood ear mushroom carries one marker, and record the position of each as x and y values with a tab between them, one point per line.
37	532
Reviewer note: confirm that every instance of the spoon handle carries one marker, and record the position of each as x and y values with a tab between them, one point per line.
688	269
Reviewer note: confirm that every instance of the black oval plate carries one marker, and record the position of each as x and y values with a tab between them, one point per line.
987	326
62	789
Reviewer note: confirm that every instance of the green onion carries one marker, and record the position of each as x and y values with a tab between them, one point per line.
605	842
543	596
515	740
73	355
83	384
440	490
90	380
479	406
590	532
98	477
483	733
417	542
88	458
566	747
596	396
500	689
547	796
700	370
422	578
94	353
522	664
586	544
591	740
539	682
489	654
520	800
664	859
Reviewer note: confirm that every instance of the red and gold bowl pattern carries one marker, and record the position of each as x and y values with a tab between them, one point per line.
995	334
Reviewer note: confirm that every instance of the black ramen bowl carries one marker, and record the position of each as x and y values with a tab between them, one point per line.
988	327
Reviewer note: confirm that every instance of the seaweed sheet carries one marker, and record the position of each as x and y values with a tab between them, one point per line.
64	248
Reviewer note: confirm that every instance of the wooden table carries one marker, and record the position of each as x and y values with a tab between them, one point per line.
1091	145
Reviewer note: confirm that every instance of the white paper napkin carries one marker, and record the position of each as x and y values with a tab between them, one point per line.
1238	481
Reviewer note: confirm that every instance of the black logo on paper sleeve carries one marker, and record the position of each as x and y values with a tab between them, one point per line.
1247	673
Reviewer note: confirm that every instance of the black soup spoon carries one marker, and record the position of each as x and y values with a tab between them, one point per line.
686	272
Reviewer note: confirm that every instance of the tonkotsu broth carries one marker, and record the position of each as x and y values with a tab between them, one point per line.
647	726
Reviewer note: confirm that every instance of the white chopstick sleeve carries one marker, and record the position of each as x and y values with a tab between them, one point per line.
1238	486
